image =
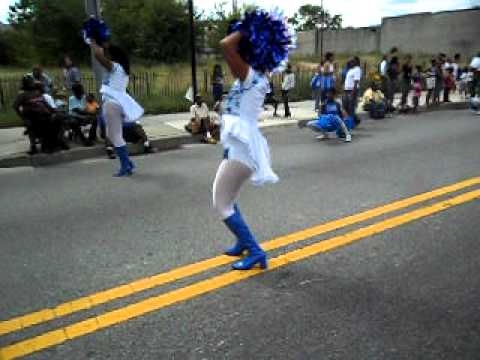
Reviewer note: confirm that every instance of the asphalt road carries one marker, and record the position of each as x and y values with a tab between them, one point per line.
408	293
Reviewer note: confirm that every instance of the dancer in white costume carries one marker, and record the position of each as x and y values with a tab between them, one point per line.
247	154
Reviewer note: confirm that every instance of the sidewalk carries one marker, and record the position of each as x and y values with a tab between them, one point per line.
164	131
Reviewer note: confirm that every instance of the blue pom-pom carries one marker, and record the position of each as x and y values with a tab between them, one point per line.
97	30
267	39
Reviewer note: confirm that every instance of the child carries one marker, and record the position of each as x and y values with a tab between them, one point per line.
449	84
417	87
92	106
331	119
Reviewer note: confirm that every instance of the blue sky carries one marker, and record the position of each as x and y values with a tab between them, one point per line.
355	12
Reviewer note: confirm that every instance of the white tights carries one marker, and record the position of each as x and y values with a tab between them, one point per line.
114	118
231	175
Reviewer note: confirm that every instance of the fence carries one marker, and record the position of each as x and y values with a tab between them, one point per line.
160	90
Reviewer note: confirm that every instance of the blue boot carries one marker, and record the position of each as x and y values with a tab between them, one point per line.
240	247
237	226
126	166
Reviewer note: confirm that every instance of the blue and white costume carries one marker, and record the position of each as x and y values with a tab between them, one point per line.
264	39
241	135
119	107
114	89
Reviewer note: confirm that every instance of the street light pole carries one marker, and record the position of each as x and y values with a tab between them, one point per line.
321	31
192	49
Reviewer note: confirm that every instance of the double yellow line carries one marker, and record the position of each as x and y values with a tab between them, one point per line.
93	324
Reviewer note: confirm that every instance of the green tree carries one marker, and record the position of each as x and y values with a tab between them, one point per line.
152	30
308	16
49	28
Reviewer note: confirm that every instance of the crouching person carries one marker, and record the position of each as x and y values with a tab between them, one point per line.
331	119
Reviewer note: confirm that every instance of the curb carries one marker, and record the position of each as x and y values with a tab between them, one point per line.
82	153
162	144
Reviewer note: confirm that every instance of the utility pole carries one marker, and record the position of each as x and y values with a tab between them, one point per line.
234	6
193	49
92	8
322	24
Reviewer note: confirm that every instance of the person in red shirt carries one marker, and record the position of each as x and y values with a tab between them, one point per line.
449	84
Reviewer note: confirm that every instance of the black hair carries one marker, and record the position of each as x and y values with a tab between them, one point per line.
332	91
329	55
393	50
77	89
28	83
457	56
120	57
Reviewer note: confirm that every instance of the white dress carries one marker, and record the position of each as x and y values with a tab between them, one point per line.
240	134
114	88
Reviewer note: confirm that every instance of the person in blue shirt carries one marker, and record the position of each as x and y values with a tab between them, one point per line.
331	119
78	116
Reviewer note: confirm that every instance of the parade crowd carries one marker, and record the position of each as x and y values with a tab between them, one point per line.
437	82
53	124
74	116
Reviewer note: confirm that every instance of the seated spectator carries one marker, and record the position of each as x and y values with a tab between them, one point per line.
79	116
373	95
92	107
200	121
41	120
39	75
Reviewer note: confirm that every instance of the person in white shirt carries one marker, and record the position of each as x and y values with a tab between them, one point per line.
199	115
383	66
456	66
352	86
287	85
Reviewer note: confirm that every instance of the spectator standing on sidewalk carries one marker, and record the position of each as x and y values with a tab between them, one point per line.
393	70
352	87
449	84
417	87
438	81
431	79
382	70
270	98
407	70
71	73
457	71
328	76
316	84
287	85
218	82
